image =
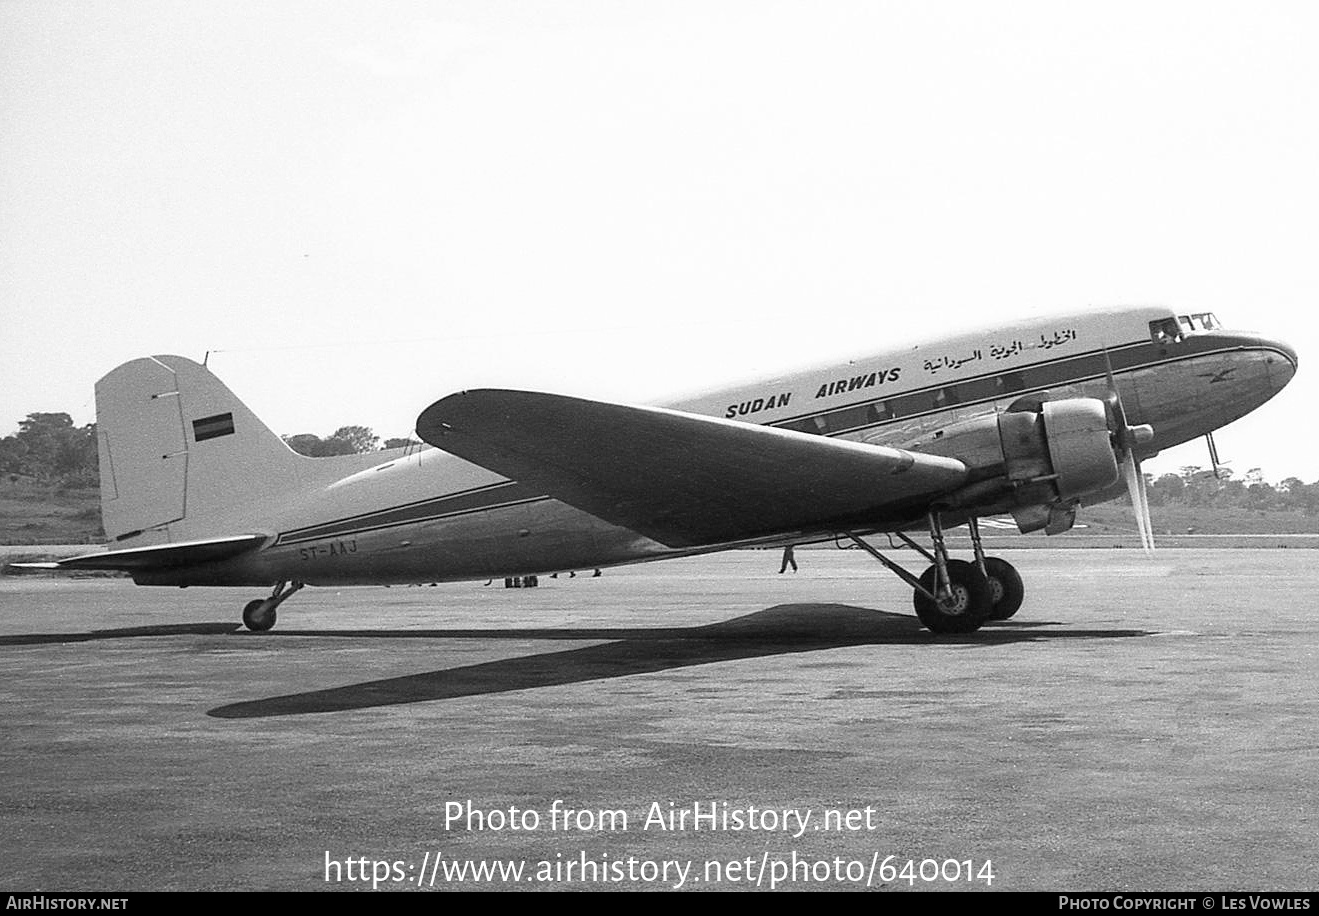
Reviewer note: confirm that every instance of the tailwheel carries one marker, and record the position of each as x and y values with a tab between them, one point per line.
962	607
1006	587
257	617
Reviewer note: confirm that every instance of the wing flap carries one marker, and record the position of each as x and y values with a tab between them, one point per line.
682	479
158	556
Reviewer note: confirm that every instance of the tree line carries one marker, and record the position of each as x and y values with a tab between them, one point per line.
346	440
49	449
1195	486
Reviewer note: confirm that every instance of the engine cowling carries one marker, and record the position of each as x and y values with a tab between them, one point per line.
1035	460
1076	435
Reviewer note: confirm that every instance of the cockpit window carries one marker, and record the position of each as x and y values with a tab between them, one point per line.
1165	331
1174	330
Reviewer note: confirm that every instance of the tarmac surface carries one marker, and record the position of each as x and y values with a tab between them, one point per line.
1142	724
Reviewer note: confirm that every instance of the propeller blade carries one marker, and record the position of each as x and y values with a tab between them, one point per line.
1124	436
1135	481
1145	503
1125	439
1129	478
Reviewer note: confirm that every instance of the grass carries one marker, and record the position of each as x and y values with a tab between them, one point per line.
35	513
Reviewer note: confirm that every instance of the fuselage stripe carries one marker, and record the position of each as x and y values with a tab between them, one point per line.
508	492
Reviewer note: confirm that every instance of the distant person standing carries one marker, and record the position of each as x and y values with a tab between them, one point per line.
788	559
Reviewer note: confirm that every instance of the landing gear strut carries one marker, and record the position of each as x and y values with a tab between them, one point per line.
954	596
259	615
1005	585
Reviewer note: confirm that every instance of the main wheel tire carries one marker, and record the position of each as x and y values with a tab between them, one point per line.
1006	587
967	608
255	619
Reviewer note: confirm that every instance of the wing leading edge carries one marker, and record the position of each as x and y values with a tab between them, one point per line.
682	479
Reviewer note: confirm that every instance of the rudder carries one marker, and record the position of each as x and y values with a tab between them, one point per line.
183	458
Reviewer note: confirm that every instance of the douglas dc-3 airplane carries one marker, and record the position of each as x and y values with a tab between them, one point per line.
1032	419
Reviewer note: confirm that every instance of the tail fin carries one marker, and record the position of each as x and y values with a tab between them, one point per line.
182	458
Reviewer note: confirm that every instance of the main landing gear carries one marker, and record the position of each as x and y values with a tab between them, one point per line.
259	615
954	596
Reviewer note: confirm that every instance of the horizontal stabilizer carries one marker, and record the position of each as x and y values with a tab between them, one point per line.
160	556
683	479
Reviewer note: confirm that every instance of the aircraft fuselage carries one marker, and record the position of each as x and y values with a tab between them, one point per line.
426	516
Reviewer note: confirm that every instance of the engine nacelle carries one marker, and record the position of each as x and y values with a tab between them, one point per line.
1077	438
1034	462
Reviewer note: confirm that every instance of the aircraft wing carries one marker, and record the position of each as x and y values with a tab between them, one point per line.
158	556
682	479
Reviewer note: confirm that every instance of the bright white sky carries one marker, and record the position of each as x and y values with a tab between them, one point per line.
365	206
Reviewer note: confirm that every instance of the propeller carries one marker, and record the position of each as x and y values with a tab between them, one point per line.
1125	440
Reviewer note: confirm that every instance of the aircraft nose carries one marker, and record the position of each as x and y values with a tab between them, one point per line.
1287	351
1282	362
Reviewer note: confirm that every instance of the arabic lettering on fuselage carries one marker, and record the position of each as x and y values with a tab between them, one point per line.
949	362
1001	351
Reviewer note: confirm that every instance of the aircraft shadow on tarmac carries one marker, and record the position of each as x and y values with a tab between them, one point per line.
166	629
781	630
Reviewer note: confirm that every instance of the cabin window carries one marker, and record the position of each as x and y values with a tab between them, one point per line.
880	411
848	418
806	425
1009	382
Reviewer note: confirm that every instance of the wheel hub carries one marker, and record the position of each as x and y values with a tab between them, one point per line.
957	602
